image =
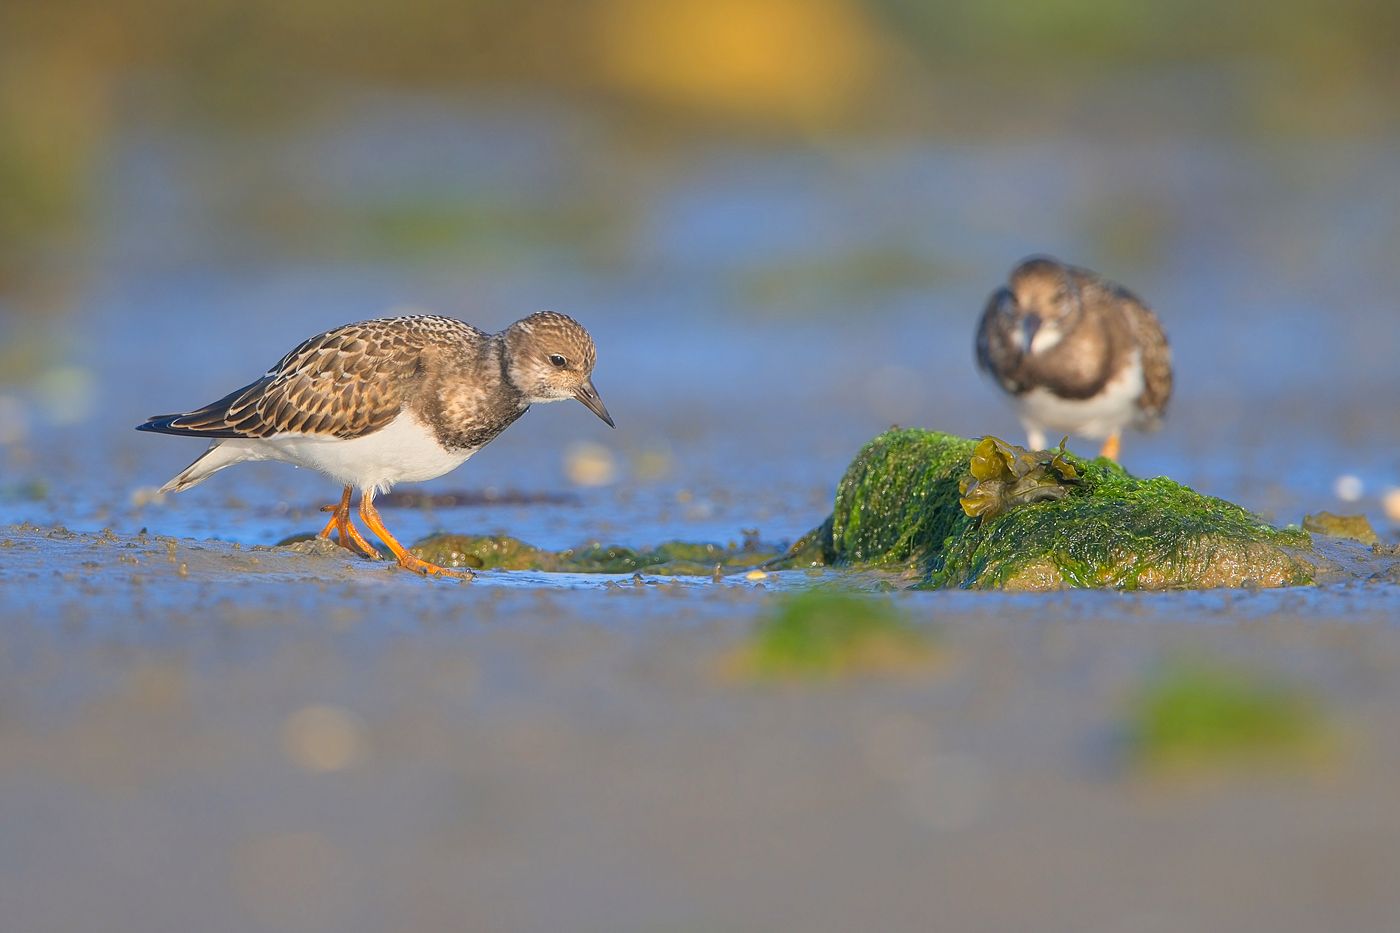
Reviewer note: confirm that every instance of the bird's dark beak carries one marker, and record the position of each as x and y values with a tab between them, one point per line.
1029	325
589	397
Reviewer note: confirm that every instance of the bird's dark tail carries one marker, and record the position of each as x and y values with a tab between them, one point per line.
210	421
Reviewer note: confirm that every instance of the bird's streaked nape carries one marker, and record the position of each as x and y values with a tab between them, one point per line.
395	400
1076	352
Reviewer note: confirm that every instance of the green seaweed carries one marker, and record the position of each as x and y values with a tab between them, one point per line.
498	552
1193	714
484	551
1346	527
814	549
900	503
1002	476
824	633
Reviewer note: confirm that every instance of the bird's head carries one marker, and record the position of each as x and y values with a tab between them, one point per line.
550	358
1043	300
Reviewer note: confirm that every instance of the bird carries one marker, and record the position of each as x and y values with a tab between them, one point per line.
1077	353
392	400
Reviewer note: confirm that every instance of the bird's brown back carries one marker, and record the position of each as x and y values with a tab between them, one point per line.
345	383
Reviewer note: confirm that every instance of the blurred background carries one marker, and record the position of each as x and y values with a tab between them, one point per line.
768	211
780	220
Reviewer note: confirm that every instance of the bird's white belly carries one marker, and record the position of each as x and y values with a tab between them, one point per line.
1112	409
403	451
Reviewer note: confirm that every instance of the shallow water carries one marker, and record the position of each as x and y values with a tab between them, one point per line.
557	751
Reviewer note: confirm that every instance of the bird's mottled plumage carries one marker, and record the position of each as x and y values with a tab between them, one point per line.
393	400
1078	353
344	383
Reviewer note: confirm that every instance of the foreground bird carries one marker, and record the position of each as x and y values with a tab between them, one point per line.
397	400
1078	354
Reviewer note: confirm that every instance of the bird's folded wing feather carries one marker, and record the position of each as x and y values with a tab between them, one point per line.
1156	358
997	354
344	383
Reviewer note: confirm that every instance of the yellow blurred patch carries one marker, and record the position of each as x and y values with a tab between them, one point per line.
802	60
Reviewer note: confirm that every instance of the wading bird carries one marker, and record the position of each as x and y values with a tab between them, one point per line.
396	400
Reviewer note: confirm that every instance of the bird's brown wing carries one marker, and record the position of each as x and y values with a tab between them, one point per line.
1146	333
997	353
344	383
1156	359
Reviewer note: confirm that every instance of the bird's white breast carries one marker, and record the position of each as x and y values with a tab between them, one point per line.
1113	408
1046	337
403	451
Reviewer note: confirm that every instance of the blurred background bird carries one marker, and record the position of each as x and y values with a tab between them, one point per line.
1077	353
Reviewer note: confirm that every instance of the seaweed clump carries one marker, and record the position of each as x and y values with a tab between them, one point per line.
901	505
1001	476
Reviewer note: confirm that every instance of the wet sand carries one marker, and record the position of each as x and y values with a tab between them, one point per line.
193	736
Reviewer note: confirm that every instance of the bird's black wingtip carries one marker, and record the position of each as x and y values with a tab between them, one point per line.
161	424
176	425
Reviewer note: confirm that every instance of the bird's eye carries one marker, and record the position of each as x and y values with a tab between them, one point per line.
557	360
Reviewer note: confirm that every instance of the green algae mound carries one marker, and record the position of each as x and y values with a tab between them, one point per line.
495	552
899	507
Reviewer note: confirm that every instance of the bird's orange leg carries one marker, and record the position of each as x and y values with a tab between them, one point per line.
1111	446
370	516
369	549
349	536
339	519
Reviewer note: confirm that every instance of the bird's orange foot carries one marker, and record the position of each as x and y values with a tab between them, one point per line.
347	535
418	565
330	525
365	548
371	518
1111	447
